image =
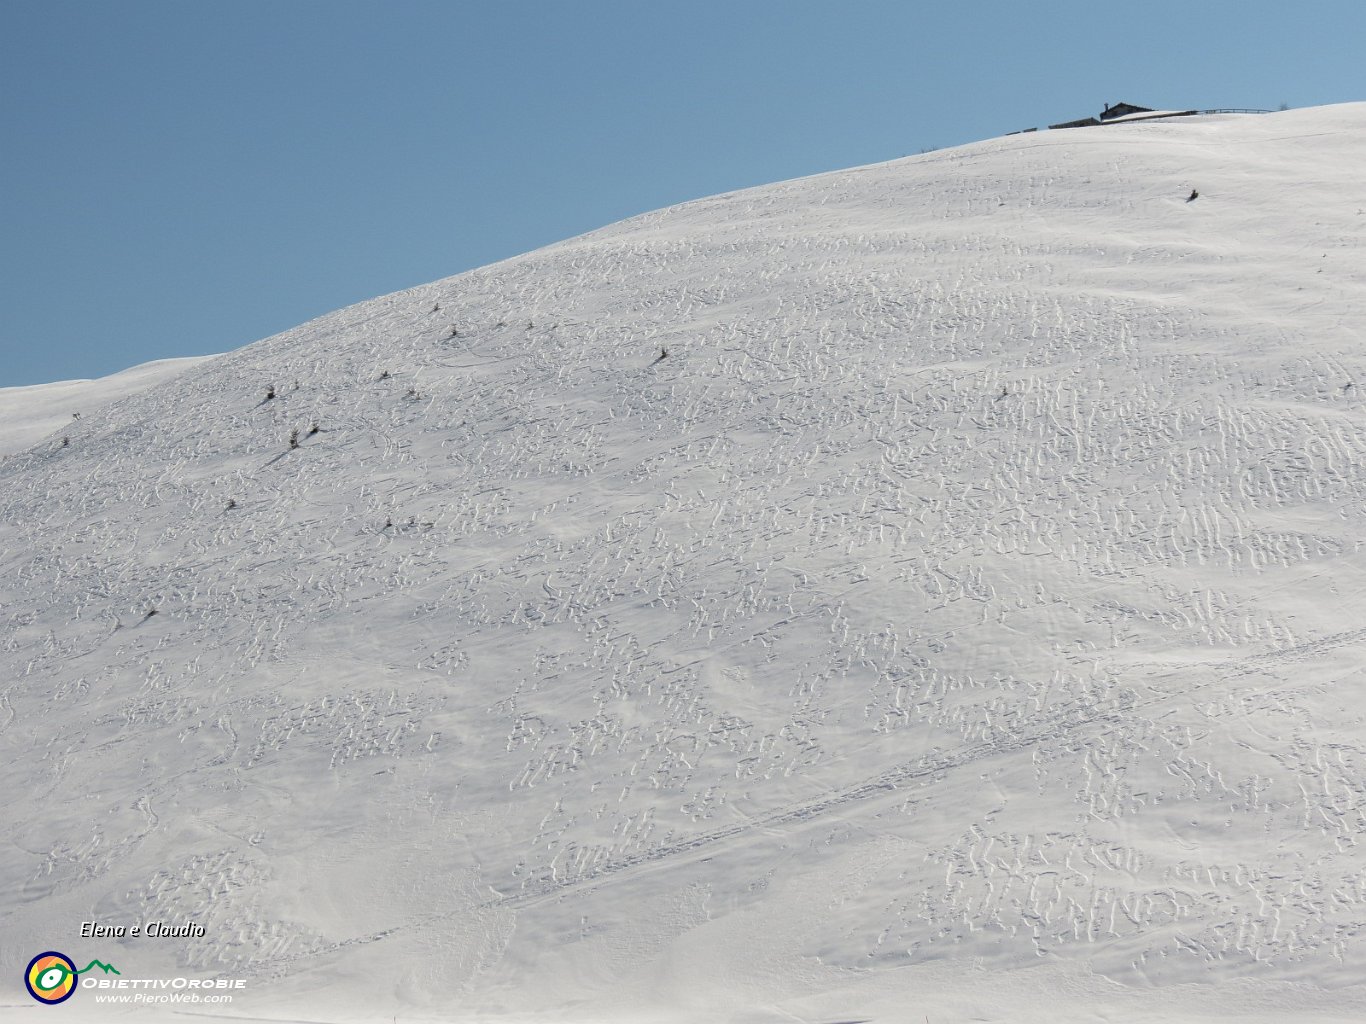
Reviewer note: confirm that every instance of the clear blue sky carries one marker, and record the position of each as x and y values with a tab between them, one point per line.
184	177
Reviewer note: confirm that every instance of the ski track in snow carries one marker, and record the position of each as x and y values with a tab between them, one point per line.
975	584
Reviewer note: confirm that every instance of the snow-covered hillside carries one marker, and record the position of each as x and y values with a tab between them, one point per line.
963	620
28	414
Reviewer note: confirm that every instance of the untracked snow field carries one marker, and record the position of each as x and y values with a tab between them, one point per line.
965	620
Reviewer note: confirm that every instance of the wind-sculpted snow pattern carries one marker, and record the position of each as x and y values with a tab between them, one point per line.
933	589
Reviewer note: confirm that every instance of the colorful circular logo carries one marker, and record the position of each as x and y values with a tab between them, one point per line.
51	977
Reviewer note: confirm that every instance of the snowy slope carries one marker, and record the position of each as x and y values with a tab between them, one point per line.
28	414
963	621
